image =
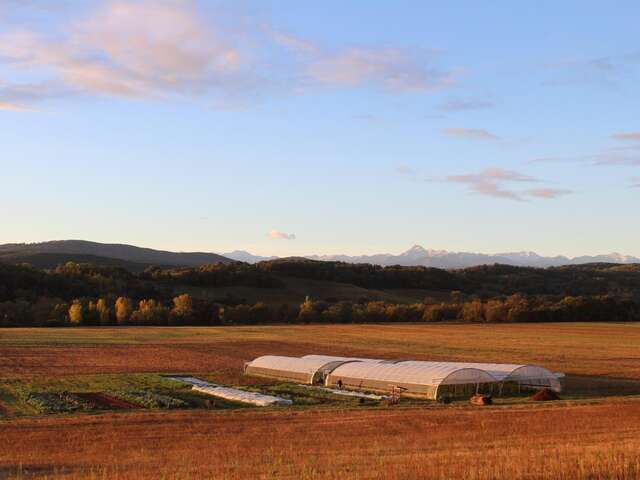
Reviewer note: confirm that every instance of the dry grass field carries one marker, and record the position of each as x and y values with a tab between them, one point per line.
594	433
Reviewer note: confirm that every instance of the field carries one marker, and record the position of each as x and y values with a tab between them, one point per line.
593	433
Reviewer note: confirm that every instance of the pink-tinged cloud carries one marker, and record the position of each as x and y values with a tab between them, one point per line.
166	48
548	193
490	182
15	108
470	133
629	136
493	182
492	175
278	235
395	69
142	49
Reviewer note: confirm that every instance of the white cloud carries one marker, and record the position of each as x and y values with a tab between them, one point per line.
278	235
470	133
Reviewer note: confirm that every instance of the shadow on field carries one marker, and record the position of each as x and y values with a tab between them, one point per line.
592	386
39	470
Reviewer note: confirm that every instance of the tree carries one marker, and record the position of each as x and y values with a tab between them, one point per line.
104	312
310	311
76	313
150	312
182	311
124	308
472	311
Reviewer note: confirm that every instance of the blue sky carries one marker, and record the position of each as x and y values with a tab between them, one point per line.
286	127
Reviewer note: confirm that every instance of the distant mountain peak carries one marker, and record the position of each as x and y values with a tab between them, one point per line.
420	256
419	250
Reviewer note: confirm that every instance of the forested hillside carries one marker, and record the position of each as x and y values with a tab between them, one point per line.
299	290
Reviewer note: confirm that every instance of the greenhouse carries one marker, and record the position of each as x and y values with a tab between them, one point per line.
427	379
416	378
300	370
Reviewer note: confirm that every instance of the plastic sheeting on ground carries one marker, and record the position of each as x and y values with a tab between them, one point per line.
234	394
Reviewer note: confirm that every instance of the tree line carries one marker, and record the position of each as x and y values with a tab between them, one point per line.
185	310
85	294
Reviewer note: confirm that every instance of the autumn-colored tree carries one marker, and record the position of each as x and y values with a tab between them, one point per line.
104	312
472	311
76	313
310	311
124	308
150	312
182	311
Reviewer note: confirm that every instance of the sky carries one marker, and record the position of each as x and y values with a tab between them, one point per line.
289	128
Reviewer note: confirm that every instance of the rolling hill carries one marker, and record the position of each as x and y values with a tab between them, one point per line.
130	257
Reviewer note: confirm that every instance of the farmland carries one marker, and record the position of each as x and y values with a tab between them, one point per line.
593	433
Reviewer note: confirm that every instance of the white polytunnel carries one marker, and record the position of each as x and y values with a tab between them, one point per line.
300	370
420	378
524	375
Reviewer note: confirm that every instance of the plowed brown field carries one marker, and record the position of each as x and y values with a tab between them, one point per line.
575	441
590	438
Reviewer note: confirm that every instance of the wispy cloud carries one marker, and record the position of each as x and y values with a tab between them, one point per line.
611	157
605	71
394	69
470	133
167	48
278	235
405	170
15	108
491	182
548	192
629	136
464	105
499	183
132	49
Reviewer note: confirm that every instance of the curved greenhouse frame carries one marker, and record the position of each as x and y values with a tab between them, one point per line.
420	378
416	378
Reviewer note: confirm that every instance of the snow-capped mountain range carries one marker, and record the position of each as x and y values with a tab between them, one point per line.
418	255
